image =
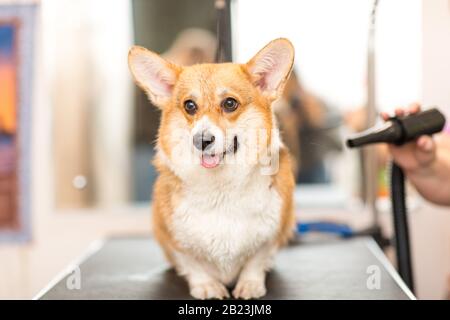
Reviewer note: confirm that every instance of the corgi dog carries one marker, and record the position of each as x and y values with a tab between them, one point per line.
223	201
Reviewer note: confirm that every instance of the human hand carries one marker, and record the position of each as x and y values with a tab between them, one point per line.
416	156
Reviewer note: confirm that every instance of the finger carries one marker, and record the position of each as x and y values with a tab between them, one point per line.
399	112
384	116
394	149
425	143
397	152
414	107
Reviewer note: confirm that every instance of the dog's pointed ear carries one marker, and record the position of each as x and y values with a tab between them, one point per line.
153	74
271	66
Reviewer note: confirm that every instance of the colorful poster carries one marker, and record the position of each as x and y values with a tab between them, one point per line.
8	125
16	59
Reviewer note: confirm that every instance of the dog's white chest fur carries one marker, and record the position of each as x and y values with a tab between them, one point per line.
226	223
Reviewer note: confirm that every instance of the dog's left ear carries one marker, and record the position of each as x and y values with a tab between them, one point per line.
271	66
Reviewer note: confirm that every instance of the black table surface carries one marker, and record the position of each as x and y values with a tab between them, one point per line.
134	268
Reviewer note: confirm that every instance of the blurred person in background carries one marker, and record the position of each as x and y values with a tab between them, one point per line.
192	46
305	125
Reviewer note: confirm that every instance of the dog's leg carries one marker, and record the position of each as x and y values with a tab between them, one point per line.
251	281
202	285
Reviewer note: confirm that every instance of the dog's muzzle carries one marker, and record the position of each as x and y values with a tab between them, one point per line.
204	141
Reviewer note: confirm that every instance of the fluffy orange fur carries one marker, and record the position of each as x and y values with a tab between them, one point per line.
208	79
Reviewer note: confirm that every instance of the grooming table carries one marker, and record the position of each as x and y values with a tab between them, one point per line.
134	268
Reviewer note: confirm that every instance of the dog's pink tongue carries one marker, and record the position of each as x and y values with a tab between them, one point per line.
208	161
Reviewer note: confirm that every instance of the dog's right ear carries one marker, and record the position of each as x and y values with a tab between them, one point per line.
153	74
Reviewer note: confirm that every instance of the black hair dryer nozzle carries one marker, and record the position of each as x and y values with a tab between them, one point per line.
399	130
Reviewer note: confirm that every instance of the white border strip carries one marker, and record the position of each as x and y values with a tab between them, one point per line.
376	251
92	248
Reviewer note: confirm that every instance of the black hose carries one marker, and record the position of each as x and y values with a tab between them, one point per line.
402	246
223	31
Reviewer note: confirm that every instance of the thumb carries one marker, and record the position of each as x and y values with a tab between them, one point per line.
426	144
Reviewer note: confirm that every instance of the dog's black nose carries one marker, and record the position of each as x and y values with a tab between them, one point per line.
203	140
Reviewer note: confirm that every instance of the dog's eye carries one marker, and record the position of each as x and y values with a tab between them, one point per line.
229	104
190	107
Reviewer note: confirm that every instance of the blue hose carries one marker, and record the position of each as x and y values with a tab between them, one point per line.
341	230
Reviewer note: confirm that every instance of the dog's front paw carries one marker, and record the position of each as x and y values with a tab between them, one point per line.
249	289
209	290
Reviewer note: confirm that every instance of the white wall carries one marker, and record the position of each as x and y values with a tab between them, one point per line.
85	48
436	54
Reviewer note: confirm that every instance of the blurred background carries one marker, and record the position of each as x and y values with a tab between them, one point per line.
77	136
